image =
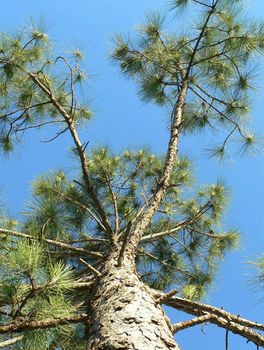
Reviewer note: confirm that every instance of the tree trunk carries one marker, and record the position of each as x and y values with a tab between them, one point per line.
124	315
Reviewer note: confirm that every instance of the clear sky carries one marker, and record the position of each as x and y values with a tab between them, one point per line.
121	120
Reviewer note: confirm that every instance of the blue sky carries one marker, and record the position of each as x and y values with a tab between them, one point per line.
122	120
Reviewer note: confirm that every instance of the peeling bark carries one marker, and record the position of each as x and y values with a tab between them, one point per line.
124	314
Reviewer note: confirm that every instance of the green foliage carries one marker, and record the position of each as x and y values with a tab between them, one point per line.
25	258
219	68
257	281
75	216
223	243
60	277
24	105
35	289
62	210
153	26
260	267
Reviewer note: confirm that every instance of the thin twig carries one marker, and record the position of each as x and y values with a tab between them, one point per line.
58	244
81	205
90	267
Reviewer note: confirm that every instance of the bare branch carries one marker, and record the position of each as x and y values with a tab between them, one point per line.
10	342
156	236
198	309
166	296
90	267
218	111
73	99
83	285
191	323
19	326
38	126
164	263
24	109
221	318
202	3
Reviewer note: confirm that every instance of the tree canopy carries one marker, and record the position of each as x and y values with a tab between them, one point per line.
134	202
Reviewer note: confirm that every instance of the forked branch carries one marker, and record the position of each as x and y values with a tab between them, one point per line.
221	318
172	150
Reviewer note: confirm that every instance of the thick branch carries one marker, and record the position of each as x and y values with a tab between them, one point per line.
221	318
243	331
115	204
191	323
199	308
164	180
20	326
124	244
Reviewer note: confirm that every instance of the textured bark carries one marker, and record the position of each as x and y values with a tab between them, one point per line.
124	314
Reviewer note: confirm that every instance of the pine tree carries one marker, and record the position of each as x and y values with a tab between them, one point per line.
100	251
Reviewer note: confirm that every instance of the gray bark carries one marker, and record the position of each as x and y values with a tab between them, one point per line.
125	314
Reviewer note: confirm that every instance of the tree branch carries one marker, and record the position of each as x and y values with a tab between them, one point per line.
182	224
199	308
115	204
124	244
191	323
10	342
164	180
20	326
211	105
221	318
80	150
210	12
156	236
90	267
61	245
164	263
81	205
